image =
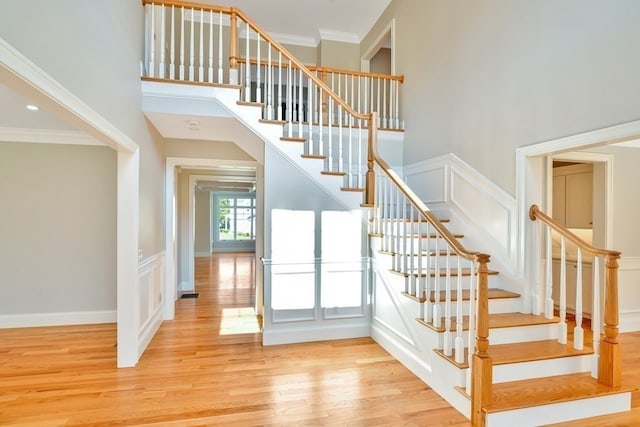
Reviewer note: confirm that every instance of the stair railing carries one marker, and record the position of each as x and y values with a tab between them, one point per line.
561	248
194	43
364	92
198	44
433	261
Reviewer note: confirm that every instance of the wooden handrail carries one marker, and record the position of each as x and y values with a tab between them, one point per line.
428	215
322	69
609	362
190	5
536	213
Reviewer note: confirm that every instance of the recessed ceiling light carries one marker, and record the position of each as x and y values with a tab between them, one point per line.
32	107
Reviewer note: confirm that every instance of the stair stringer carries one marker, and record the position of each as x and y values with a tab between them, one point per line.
271	133
394	327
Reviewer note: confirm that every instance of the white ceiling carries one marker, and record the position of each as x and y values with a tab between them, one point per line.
304	21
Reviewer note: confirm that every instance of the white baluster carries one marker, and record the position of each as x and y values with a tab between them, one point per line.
201	48
412	258
269	84
595	317
247	88
161	45
258	72
280	86
220	69
420	264
562	338
578	331
210	69
459	343
378	102
151	71
548	295
405	259
361	159
172	48
397	97
437	309
310	103
340	145
320	129
350	165
384	104
289	106
191	47
182	24
430	265
352	121
448	344
300	104
391	89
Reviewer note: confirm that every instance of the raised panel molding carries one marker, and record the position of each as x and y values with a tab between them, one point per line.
449	181
150	298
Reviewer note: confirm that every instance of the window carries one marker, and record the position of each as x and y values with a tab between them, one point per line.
236	217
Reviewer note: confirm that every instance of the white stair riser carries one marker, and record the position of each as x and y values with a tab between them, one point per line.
560	412
509	335
542	368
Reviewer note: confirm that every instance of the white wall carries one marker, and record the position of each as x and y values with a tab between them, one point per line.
482	78
94	50
58	230
202	240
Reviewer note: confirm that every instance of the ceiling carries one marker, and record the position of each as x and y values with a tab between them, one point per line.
303	22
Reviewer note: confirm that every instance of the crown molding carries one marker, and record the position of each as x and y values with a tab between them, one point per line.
47	136
294	40
338	36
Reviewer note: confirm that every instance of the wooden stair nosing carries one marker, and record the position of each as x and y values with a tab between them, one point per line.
272	121
353	189
521	352
494	293
444	220
548	390
466	272
333	173
250	104
497	321
292	139
314	156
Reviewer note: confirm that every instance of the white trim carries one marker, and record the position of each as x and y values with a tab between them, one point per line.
293	39
47	136
203	254
127	258
171	285
18	72
57	319
365	60
307	333
629	321
150	285
338	36
629	263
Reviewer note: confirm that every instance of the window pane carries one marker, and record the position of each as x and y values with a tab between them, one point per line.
244	217
243	202
225	215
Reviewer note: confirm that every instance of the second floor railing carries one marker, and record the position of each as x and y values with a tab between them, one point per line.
573	281
212	44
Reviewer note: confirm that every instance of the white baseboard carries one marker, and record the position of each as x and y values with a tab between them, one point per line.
291	335
56	319
630	321
148	331
203	254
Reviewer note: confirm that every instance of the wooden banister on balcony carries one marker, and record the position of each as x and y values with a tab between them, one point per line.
609	362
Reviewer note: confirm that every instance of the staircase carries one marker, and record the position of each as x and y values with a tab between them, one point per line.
432	299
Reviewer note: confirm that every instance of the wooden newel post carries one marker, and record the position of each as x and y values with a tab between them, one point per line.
610	364
482	365
370	178
233	48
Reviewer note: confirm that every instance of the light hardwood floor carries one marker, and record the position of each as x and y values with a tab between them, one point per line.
192	374
200	370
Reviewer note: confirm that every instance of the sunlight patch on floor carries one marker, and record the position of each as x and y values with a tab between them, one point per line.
241	320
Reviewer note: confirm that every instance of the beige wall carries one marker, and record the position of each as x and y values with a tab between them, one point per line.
204	149
94	49
485	77
202	243
58	228
333	54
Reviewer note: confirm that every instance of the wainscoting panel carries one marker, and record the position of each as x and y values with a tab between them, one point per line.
150	281
448	183
629	293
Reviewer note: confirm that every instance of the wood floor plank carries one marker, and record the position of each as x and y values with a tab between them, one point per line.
192	375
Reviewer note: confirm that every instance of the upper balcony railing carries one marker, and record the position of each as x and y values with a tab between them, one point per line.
212	44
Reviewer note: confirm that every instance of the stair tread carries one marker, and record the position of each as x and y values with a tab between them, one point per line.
494	293
498	320
314	156
353	189
627	418
250	103
443	273
445	220
292	139
272	121
503	354
548	390
336	173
